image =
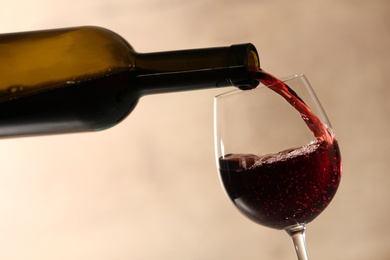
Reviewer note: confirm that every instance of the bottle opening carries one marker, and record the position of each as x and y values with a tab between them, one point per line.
253	61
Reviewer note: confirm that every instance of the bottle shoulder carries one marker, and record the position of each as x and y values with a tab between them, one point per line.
35	61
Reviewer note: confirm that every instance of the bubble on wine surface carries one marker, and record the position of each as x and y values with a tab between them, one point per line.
240	162
285	155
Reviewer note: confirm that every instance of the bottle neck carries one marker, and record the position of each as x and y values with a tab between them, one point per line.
197	69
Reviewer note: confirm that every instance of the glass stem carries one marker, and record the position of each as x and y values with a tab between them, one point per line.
297	234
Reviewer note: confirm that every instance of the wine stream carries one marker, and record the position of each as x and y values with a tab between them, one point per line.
319	129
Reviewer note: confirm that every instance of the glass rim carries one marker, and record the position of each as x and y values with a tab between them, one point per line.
259	87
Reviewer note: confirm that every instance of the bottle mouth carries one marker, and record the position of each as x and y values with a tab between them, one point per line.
243	64
253	60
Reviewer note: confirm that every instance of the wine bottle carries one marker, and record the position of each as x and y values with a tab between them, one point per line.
89	78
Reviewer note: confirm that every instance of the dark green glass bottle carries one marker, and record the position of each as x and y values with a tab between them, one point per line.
89	78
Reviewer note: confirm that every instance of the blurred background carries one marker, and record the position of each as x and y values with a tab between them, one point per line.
148	188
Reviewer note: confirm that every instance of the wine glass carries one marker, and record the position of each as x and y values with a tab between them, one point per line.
277	155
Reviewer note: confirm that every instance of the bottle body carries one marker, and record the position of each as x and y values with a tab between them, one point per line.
89	78
35	61
66	80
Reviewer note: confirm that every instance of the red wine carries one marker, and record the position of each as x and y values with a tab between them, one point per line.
280	190
292	186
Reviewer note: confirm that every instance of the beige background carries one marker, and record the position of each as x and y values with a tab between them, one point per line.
148	188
